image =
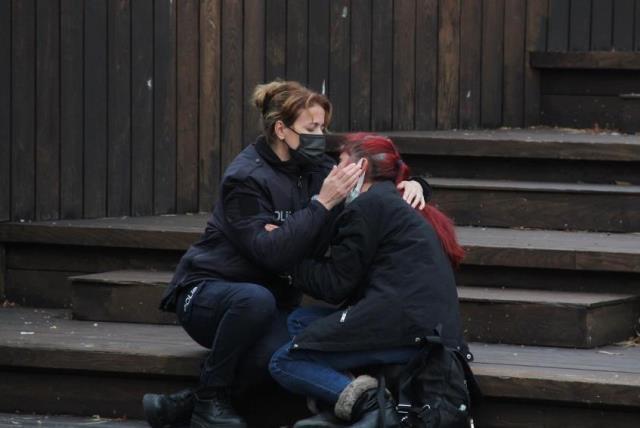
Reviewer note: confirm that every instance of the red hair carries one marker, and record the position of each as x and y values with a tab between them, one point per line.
385	163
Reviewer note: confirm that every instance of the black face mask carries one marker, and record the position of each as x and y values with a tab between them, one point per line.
311	149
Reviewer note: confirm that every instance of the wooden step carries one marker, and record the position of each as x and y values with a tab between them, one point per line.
41	256
566	319
533	154
541	205
51	364
547	318
569	319
586	60
21	420
123	296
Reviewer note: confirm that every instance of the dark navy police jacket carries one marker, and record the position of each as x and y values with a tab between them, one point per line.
257	188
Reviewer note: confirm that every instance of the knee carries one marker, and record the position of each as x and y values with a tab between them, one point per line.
277	360
257	303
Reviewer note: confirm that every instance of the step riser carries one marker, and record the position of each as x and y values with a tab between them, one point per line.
548	279
119	397
545	170
111	397
538	210
546	325
37	273
489	322
495	414
130	303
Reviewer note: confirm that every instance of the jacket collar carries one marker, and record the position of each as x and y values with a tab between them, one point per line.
270	157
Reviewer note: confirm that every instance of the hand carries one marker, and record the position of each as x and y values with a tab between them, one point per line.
338	184
270	227
412	194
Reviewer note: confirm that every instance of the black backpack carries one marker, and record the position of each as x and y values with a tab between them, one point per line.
435	389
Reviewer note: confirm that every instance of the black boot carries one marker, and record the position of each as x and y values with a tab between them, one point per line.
214	410
169	411
358	404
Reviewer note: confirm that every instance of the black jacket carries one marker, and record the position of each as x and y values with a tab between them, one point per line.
389	268
257	188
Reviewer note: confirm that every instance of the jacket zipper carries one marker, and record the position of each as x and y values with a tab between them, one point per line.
344	314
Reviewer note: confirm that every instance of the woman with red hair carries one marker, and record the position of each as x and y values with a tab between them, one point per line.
391	271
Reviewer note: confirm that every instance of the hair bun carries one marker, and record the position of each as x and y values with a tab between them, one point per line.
263	93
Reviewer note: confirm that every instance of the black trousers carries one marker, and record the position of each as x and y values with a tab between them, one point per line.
241	325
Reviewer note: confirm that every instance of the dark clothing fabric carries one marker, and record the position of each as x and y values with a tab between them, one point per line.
245	269
257	189
242	327
388	268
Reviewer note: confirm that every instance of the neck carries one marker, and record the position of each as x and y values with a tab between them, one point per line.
281	150
366	185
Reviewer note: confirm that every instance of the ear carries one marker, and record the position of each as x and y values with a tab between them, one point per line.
365	165
278	129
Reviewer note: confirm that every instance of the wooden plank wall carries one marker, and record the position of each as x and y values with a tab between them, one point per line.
123	107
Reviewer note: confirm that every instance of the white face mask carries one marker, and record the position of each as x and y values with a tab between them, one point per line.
357	188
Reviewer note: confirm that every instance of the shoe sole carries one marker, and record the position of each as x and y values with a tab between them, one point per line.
197	423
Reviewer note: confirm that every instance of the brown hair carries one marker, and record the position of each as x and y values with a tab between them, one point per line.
284	100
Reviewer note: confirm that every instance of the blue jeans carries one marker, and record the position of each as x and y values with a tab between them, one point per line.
320	374
240	324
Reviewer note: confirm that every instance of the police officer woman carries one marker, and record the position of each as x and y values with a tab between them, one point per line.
231	290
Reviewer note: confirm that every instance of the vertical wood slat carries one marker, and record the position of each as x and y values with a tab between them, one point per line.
470	63
95	109
535	41
382	65
119	109
623	21
5	113
580	25
513	96
48	110
404	62
165	106
209	150
318	44
637	26
449	64
360	84
142	83
558	37
254	53
275	25
71	107
231	90
297	47
492	60
23	106
187	104
339	61
601	21
3	251
426	94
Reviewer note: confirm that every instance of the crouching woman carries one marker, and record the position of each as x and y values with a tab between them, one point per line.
391	270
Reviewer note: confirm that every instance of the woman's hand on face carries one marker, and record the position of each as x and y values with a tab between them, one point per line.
338	184
412	194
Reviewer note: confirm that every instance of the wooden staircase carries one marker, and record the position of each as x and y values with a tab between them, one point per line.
549	288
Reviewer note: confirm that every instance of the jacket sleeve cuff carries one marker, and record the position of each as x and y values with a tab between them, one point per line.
427	191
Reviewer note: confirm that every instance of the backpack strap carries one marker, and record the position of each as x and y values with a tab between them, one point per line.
404	407
472	384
